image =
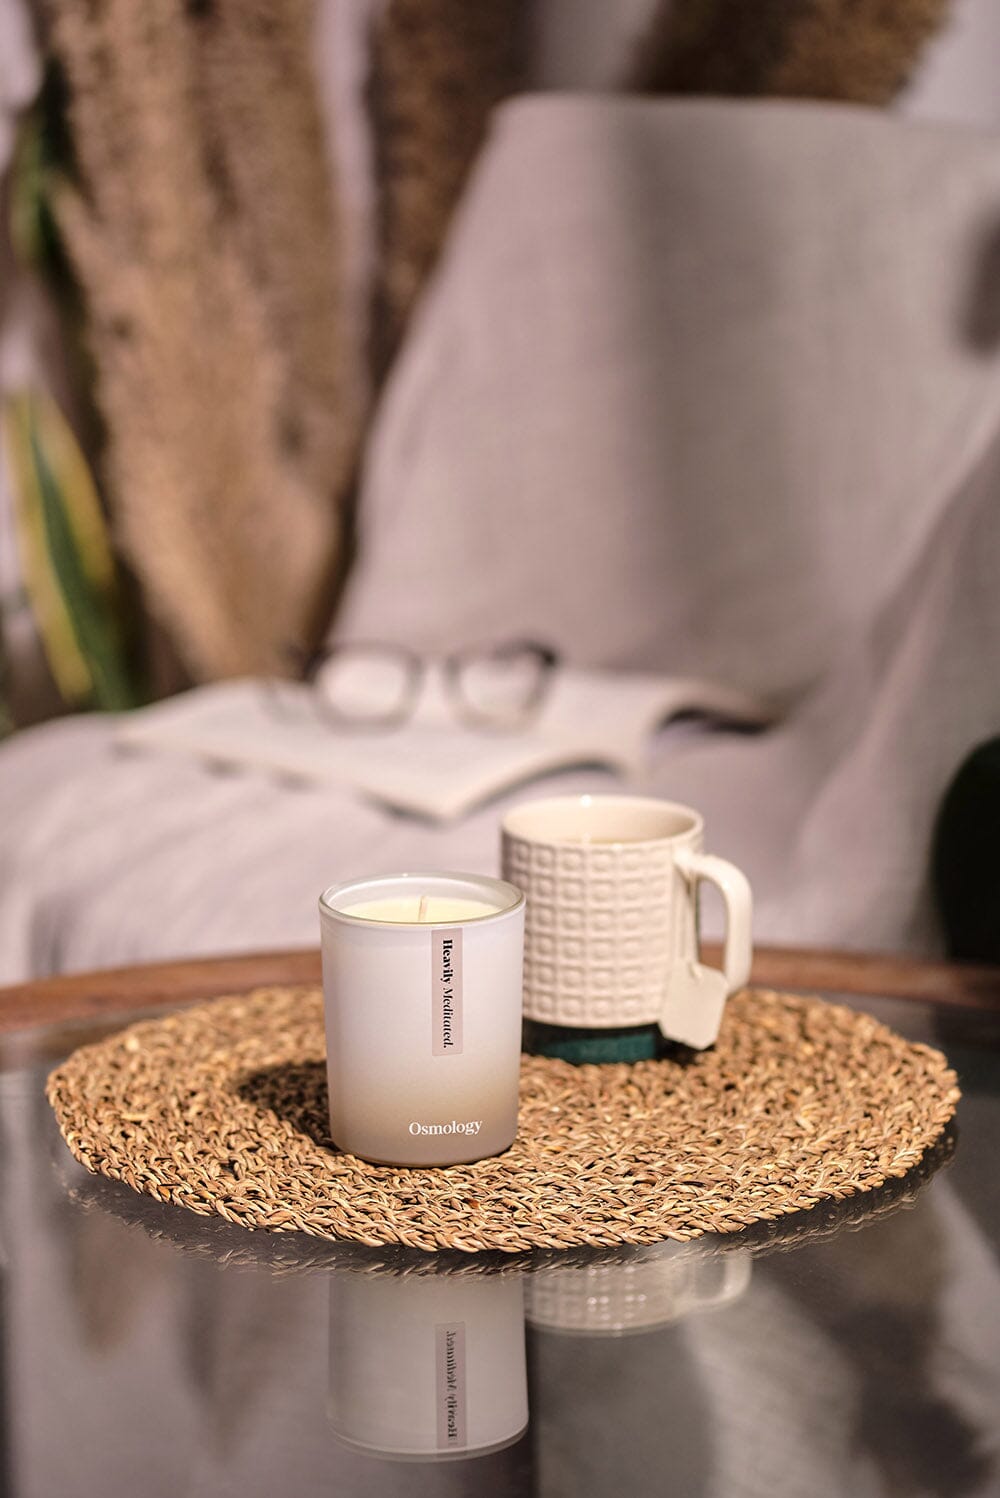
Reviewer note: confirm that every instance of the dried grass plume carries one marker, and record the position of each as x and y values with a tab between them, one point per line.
863	51
438	69
203	230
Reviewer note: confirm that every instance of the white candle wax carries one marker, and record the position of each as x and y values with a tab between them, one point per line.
424	910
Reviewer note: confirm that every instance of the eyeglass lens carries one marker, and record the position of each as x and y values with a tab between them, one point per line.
366	684
502	686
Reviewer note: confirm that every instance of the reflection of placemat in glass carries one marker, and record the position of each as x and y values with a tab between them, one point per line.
222	1109
290	1253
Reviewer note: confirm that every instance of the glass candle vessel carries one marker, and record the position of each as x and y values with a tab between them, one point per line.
422	982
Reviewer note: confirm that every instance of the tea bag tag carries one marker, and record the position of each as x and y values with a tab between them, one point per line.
693	1005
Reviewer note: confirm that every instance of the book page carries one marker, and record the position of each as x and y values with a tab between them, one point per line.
434	765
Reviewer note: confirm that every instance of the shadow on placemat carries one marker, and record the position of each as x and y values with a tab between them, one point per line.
295	1091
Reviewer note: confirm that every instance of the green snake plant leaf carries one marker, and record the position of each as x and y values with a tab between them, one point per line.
29	219
37	169
65	553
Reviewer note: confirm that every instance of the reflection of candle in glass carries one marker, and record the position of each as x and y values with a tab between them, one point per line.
426	1364
422	989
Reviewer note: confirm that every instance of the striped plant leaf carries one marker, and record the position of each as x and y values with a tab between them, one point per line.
29	218
66	556
41	159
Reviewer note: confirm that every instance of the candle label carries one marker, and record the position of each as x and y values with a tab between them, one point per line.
450	1361
446	991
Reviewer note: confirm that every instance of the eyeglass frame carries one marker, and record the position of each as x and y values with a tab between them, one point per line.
417	667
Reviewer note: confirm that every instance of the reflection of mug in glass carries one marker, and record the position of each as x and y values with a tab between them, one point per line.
653	1289
427	1365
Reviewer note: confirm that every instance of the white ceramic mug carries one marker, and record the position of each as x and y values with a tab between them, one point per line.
422	996
427	1365
611	929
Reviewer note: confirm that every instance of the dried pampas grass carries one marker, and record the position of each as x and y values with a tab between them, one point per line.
204	234
862	51
438	69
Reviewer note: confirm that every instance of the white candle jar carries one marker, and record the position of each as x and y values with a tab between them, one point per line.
422	983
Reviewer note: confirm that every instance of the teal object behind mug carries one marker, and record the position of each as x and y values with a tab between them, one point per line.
582	1046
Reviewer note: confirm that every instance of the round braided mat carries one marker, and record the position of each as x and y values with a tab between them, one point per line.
222	1109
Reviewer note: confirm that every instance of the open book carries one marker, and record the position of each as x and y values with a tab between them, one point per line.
434	765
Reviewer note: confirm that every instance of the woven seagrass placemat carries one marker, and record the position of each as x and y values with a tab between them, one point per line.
222	1109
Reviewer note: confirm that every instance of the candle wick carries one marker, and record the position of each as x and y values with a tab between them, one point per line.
422	909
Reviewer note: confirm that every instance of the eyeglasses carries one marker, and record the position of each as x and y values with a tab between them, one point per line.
378	686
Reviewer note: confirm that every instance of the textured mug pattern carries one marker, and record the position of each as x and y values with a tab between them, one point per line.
604	926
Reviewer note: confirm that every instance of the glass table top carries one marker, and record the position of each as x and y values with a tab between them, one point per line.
853	1351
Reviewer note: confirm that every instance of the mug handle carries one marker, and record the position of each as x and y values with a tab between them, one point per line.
696	995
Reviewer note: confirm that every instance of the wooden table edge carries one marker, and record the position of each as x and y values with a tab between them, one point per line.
171	984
